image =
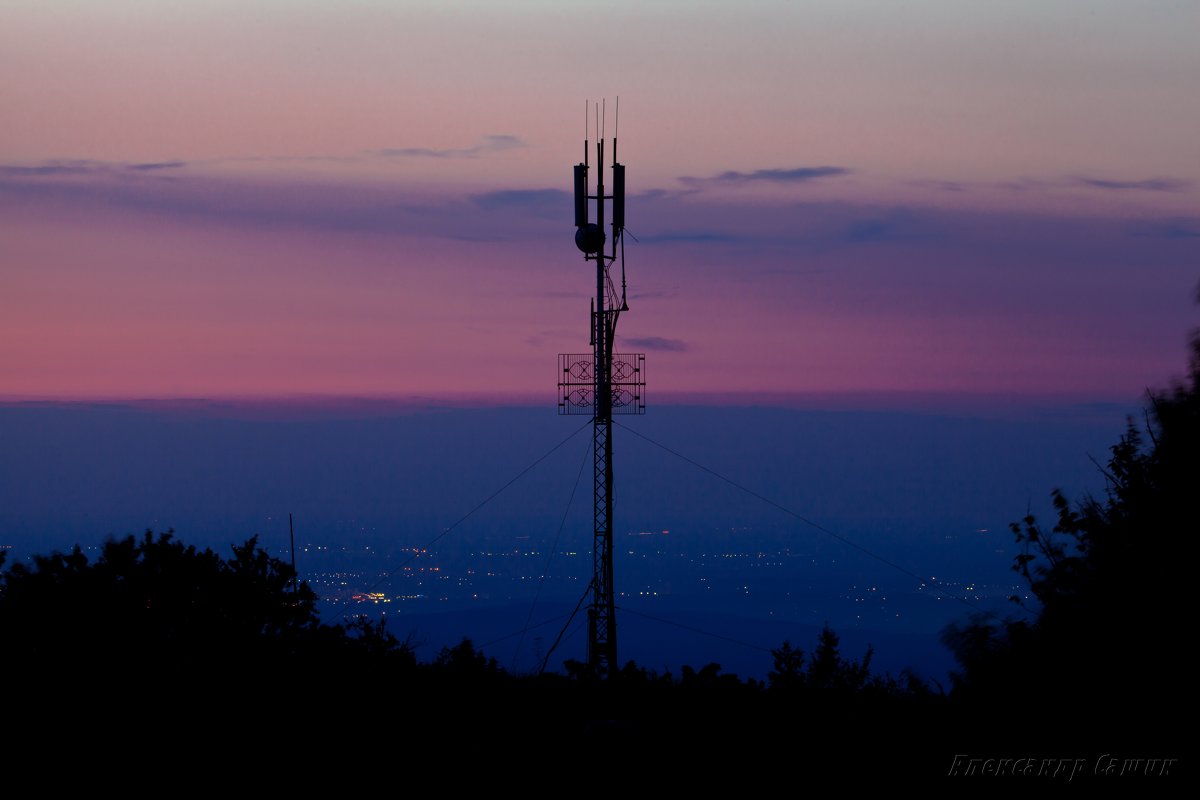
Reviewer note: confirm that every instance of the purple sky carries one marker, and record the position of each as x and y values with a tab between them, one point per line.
369	198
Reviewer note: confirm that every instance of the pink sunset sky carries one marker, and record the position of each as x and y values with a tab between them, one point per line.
268	198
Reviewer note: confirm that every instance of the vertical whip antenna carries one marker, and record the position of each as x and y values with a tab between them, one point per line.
616	128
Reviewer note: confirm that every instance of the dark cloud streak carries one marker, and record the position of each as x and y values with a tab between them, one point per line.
246	202
775	175
84	167
1148	185
528	199
709	233
659	343
702	237
490	144
55	167
157	165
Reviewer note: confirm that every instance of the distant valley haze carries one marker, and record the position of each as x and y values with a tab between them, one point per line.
932	492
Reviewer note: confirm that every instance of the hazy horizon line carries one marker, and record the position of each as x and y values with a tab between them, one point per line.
285	405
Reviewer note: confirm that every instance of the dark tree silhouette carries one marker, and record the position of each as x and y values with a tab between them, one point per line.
787	672
209	656
464	662
151	612
1105	639
825	672
152	604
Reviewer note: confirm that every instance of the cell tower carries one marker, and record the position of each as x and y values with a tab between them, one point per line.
602	383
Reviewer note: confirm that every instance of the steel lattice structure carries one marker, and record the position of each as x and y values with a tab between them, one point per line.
602	384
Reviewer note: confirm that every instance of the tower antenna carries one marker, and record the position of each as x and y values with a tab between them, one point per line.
602	383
